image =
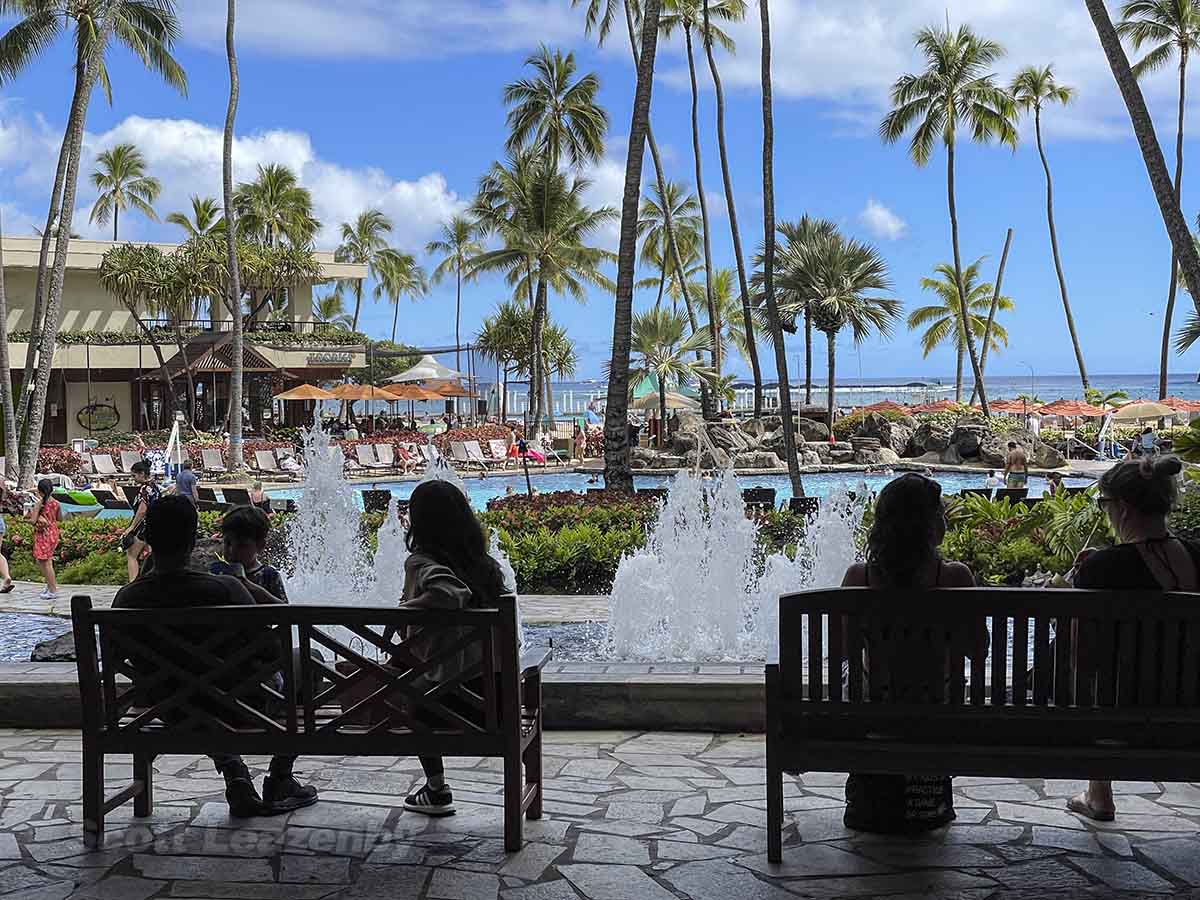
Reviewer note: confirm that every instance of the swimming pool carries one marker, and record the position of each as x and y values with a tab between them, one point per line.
481	490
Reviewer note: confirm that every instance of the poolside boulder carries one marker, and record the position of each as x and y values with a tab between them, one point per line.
811	430
1046	457
929	437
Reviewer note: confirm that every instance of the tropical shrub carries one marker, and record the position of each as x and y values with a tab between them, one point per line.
577	559
1185	519
60	460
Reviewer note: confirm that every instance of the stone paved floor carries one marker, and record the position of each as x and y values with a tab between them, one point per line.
629	816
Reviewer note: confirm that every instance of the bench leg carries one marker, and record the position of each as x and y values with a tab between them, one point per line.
93	796
533	774
513	785
774	806
143	771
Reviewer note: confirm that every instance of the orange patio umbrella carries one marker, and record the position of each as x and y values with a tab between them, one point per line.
1180	405
353	392
1010	406
451	389
1072	409
938	406
305	392
412	393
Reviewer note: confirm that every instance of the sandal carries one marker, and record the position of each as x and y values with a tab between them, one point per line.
1080	806
8	586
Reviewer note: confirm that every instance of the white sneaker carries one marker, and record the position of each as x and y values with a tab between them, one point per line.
49	595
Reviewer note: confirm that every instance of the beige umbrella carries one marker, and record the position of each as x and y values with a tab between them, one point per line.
413	392
1142	409
674	401
450	389
305	392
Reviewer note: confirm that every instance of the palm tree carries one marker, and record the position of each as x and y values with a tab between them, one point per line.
331	308
399	276
943	321
275	208
148	28
663	349
739	11
845	278
1156	166
206	216
730	327
991	319
504	338
768	267
681	207
1172	27
553	115
790	285
364	242
1097	397
122	181
955	89
1033	88
689	16
233	296
458	246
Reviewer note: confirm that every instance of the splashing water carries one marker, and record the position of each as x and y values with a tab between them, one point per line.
330	563
390	555
696	592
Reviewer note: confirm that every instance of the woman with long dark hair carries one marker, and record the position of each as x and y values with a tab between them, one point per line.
45	516
902	553
448	567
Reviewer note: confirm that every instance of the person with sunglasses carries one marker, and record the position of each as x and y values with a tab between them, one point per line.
1137	495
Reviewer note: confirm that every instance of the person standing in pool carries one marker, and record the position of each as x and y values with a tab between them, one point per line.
1016	467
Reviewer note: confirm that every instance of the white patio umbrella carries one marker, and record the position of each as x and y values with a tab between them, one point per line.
428	369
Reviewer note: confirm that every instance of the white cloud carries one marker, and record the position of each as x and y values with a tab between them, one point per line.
882	222
186	157
385	29
849	54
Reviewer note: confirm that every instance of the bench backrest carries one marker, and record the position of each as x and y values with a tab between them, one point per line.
458	450
759	496
376	501
236	496
203	673
474	451
1111	650
497	448
386	454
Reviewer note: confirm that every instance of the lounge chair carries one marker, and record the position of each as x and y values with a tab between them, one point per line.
475	452
386	454
130	458
132	493
376	501
104	465
212	462
429	453
975	492
266	464
109	500
459	456
1013	495
366	458
500	452
207	501
236	496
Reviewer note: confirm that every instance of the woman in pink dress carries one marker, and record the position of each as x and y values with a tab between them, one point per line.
45	516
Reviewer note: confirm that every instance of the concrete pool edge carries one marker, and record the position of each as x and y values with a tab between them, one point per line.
666	696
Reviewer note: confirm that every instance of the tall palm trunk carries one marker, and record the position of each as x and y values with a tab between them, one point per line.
715	353
49	334
731	209
537	375
1062	281
116	215
808	342
457	317
785	388
662	412
357	304
395	318
11	451
958	280
831	374
28	379
617	472
1156	165
1174	286
236	457
991	319
958	371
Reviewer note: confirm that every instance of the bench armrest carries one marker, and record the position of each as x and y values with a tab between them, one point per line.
533	661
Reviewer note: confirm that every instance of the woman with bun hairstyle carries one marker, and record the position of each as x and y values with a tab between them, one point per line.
1138	496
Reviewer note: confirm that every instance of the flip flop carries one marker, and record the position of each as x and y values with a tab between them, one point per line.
1081	807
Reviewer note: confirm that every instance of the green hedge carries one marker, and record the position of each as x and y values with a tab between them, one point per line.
167	336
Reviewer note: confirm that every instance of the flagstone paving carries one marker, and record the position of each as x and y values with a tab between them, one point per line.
629	816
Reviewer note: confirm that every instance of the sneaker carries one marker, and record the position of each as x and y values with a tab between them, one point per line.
287	794
243	799
431	802
49	595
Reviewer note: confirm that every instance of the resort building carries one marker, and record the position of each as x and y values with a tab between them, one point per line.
107	374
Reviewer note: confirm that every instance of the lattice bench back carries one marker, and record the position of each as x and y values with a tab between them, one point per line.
198	679
1129	661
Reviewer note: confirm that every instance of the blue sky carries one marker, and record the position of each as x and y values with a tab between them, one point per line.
397	105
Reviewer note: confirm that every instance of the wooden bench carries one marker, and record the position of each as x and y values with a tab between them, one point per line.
1114	695
204	683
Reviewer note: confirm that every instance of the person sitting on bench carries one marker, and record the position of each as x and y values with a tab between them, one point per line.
170	530
902	554
448	567
1138	496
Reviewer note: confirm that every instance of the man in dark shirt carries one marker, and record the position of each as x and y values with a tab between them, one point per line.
171	525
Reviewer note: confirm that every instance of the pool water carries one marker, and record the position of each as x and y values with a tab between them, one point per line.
21	632
481	490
